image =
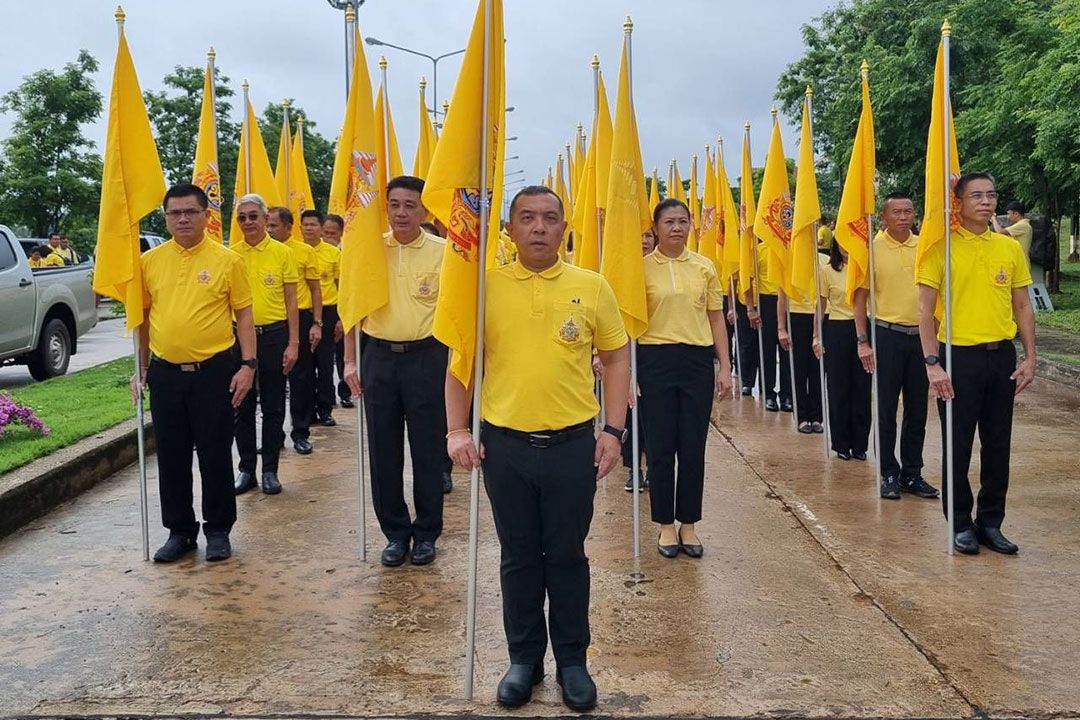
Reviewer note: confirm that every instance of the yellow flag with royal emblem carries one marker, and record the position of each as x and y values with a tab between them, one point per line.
747	213
857	199
206	173
806	215
774	212
728	229
707	238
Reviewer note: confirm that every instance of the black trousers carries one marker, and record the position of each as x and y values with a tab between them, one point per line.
747	348
678	383
324	365
628	446
849	388
302	382
901	372
807	371
404	391
193	411
339	362
770	348
730	334
984	396
268	392
542	502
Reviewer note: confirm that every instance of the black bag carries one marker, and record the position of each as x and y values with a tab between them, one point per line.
1043	241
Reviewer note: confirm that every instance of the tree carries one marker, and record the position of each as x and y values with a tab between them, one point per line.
50	177
318	151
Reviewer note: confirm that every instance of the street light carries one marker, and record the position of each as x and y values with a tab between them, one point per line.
512	157
434	65
516	172
511	139
345	5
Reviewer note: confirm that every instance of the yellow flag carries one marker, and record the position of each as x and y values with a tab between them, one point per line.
282	174
549	182
676	189
132	185
425	147
602	131
728	228
937	192
384	120
300	198
807	213
774	212
695	208
747	213
356	195
261	179
469	150
206	173
560	190
579	161
707	244
627	213
654	191
857	199
586	208
570	171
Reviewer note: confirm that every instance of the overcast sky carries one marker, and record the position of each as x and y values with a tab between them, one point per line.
701	67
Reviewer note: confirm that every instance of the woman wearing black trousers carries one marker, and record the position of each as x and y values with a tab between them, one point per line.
848	382
679	376
798	340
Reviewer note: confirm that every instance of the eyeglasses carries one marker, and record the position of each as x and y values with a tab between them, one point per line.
185	213
247	217
980	196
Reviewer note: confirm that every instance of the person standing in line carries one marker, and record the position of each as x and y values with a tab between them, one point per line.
797	340
328	257
764	319
332	228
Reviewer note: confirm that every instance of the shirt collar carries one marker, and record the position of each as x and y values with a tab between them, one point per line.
966	234
245	246
912	239
662	258
523	273
196	248
388	238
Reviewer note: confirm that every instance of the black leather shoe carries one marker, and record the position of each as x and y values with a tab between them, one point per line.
918	486
771	405
993	539
270	484
668	551
516	686
176	547
890	488
966	542
328	421
244	482
843	455
859	455
447	483
423	552
748	391
303	446
345	403
694	551
787	406
218	546
394	553
578	689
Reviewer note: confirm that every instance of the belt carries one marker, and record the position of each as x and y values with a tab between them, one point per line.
192	366
904	329
270	327
982	346
404	347
545	438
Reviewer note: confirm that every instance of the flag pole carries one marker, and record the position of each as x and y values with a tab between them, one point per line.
819	309
757	294
478	370
211	57
732	290
569	180
245	134
872	305
791	338
385	120
599	216
946	37
285	105
635	439
350	46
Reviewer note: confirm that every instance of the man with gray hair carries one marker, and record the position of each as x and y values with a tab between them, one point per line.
272	273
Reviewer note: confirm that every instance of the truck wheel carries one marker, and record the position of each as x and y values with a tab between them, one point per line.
53	352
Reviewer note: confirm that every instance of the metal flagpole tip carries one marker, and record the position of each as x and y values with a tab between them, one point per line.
350	14
946	28
299	119
865	67
382	62
774	112
286	103
423	83
211	54
747	126
628	25
445	106
595	62
559	158
719	141
245	86
809	91
120	15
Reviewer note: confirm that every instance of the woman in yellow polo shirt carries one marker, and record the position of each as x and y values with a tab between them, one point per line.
679	376
847	381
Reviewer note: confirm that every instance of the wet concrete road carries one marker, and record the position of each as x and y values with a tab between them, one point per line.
814	598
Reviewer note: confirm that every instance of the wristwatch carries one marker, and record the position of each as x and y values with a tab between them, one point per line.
317	322
621	433
862	338
931	359
250	362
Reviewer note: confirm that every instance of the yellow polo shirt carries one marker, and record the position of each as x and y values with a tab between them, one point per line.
679	291
67	255
1021	231
834	290
270	267
52	260
413	271
896	296
765	284
307	268
329	257
539	333
192	296
824	236
985	269
36	262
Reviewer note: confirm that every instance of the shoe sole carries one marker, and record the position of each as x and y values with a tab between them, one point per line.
275	491
218	558
890	497
399	563
966	551
927	496
166	561
423	562
990	547
302	452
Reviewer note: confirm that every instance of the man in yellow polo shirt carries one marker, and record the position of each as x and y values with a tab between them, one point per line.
272	274
990	302
540	456
1019	226
402	374
328	261
332	228
192	289
897	359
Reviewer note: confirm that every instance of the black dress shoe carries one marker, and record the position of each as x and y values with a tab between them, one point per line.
890	488
805	428
966	542
346	403
843	455
423	552
244	482
328	421
176	547
993	539
578	689
787	406
694	551
394	553
218	546
303	446
270	483
516	686
747	391
447	483
859	455
771	405
668	551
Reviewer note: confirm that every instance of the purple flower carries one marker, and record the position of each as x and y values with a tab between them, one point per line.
12	412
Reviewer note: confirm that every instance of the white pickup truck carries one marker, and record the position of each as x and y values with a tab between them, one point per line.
43	312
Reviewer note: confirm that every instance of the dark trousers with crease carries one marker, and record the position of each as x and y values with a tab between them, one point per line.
193	411
901	373
268	392
747	348
542	503
324	365
302	382
770	348
849	388
807	371
678	384
339	362
405	392
983	402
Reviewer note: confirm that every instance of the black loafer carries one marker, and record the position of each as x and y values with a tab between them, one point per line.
787	406
218	546
516	686
993	539
843	455
244	481
423	552
668	551
270	483
966	542
748	391
578	689
771	405
394	553
817	427
328	421
176	547
859	455
346	403
303	446
447	483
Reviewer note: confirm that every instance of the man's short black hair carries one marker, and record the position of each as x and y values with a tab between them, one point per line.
1017	207
336	219
181	190
966	178
284	214
405	182
315	214
896	195
36	250
55	235
667	204
535	191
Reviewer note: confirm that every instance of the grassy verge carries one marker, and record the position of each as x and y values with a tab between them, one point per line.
73	407
1066	315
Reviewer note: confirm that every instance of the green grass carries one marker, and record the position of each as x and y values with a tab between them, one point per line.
1065	359
1066	315
73	407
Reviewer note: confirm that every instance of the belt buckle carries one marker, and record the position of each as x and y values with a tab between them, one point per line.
398	347
992	345
189	367
540	440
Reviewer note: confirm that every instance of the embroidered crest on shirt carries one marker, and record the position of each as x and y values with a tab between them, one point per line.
701	298
1002	277
324	274
269	279
424	289
203	277
569	331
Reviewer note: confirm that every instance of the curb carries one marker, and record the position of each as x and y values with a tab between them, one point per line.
1058	372
33	490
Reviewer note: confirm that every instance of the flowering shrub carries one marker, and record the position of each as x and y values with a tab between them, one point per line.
12	412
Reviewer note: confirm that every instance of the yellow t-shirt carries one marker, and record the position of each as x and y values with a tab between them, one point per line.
329	257
985	269
539	333
1021	230
834	290
270	267
67	255
413	271
192	295
896	296
765	283
824	237
52	260
36	262
679	292
307	268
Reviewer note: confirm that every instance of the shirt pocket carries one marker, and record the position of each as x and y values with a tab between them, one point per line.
1001	274
425	286
698	290
570	325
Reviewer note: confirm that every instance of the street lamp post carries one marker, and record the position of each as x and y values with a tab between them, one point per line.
434	67
345	5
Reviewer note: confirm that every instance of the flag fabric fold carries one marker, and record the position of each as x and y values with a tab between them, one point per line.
728	228
654	191
425	147
586	207
282	173
806	215
937	193
206	173
602	131
384	123
707	238
262	179
747	213
299	198
774	212
857	199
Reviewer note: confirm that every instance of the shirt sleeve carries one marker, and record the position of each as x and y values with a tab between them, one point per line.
142	280
932	271
291	273
1021	269
311	269
610	334
239	287
714	291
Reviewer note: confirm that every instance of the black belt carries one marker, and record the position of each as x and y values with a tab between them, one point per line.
270	327
404	347
193	366
905	329
544	438
983	346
